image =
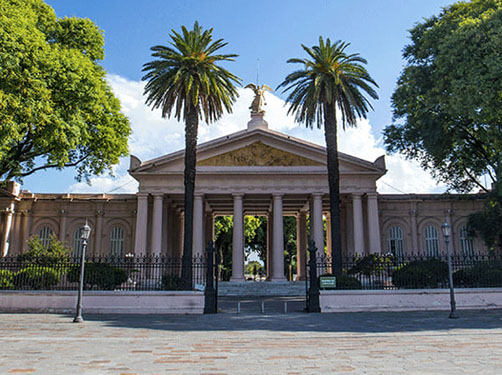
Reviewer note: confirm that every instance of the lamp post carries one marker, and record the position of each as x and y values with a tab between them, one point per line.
446	234
84	236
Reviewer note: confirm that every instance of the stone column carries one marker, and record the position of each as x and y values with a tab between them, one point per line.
98	235
358	227
238	239
414	230
198	225
26	228
270	229
375	246
278	240
62	225
7	229
181	235
317	230
158	203
141	224
301	245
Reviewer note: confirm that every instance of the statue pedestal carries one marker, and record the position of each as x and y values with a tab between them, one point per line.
257	121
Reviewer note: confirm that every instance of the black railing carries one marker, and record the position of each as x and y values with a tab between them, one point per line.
101	273
414	271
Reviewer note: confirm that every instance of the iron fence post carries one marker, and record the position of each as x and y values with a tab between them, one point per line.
314	305
210	291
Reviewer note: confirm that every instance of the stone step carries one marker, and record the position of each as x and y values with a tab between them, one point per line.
265	288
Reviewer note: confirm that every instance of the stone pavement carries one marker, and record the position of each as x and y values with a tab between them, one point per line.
253	343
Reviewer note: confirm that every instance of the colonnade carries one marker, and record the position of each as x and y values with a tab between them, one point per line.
203	230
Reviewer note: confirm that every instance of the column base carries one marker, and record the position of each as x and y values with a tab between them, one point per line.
277	279
238	279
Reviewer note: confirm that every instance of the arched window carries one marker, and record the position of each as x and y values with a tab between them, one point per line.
395	241
431	241
78	243
45	235
466	243
117	242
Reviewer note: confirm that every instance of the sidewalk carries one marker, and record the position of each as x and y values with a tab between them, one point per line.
274	343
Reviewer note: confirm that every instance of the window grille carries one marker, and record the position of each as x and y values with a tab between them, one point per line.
431	241
117	242
45	235
466	243
395	241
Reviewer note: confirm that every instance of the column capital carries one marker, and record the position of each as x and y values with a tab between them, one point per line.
277	195
142	195
372	195
158	195
198	196
357	195
317	194
238	195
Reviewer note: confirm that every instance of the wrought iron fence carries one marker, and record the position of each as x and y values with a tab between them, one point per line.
415	271
101	273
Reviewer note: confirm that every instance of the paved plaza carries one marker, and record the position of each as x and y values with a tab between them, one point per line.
253	343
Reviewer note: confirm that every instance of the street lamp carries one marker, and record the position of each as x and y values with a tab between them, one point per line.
446	234
84	236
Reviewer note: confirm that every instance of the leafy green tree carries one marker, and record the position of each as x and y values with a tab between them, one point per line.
56	109
330	79
184	77
55	252
448	102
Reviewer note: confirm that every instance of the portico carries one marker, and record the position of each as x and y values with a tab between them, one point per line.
256	171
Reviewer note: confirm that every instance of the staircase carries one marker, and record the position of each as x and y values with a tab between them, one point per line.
261	289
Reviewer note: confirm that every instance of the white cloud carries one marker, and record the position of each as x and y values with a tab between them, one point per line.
153	136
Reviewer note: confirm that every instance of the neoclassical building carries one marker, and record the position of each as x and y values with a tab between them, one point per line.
256	171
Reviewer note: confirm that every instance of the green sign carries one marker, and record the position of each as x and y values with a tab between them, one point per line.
328	282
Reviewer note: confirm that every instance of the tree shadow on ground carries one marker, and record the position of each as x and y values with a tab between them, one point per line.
361	322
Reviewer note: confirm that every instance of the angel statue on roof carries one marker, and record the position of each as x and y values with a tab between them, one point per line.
259	98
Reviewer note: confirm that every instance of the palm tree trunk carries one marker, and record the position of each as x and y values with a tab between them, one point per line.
191	130
334	186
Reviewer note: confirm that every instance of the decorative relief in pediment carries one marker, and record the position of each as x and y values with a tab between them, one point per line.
258	154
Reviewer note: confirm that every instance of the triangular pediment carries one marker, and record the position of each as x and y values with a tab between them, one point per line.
258	154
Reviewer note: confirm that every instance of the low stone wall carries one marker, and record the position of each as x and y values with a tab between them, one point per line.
408	300
103	302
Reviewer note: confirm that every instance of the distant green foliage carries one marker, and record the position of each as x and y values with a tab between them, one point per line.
6	277
55	104
252	266
431	273
100	275
488	223
36	277
482	275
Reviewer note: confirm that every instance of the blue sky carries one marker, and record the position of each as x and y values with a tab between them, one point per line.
264	33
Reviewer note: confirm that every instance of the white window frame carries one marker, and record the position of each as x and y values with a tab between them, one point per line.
395	244
431	235
116	244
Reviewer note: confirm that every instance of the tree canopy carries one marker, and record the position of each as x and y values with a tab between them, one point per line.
448	100
56	108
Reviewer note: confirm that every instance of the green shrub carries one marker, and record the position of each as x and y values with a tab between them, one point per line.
348	282
54	253
431	273
482	275
100	275
171	282
6	279
371	264
36	277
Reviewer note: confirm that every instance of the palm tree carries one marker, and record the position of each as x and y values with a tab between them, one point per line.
330	79
184	78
